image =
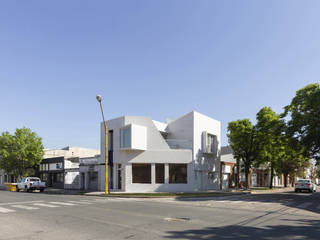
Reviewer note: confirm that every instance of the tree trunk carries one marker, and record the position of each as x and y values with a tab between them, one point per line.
247	176
238	174
271	177
285	180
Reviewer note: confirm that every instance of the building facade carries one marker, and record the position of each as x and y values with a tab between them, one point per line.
60	167
258	177
144	155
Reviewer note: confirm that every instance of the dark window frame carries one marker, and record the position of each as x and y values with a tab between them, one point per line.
141	173
178	173
160	172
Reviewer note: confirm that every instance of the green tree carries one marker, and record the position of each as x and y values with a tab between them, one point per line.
294	161
270	127
20	151
243	138
304	118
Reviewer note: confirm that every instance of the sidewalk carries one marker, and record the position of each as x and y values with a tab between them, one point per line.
62	191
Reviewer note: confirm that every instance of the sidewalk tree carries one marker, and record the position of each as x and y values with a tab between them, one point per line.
20	151
270	128
294	161
304	119
243	138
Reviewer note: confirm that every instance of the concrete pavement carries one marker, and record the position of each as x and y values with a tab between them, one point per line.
262	216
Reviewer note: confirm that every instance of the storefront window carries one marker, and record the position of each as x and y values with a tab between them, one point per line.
141	173
159	173
178	173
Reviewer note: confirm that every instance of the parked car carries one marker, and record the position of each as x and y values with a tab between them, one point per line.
305	184
30	183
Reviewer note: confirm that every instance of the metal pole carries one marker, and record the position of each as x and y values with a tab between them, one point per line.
106	148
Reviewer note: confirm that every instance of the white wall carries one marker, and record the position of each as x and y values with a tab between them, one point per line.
188	127
209	163
72	180
228	158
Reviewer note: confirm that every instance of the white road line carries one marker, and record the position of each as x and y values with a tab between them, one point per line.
6	210
24	207
80	202
45	205
304	205
12	203
63	203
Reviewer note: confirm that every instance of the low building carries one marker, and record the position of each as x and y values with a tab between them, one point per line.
144	155
258	177
91	173
60	167
228	168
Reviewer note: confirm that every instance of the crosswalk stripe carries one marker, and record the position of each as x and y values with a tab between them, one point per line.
6	210
304	205
80	202
24	207
45	205
63	203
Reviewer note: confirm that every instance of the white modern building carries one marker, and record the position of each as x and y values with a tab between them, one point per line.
181	155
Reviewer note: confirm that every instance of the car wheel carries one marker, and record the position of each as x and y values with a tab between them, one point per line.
17	189
41	190
296	190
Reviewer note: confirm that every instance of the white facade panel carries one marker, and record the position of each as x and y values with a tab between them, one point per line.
153	137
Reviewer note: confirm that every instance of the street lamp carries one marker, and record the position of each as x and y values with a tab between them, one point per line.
99	99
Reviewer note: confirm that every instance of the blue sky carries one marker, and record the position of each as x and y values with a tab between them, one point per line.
225	59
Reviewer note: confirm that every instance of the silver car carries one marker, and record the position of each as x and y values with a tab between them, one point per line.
305	184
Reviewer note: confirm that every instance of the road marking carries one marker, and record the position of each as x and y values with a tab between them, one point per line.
12	203
45	205
80	202
6	210
24	207
304	205
63	203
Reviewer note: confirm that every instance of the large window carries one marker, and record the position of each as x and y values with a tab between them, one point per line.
110	140
178	173
211	143
58	177
141	173
125	137
159	173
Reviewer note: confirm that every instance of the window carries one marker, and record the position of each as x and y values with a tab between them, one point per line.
58	177
159	173
125	137
141	173
211	142
110	140
178	173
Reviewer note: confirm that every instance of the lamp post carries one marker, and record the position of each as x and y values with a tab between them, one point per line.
99	99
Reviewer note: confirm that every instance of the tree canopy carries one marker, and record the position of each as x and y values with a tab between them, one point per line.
244	141
270	128
20	151
304	121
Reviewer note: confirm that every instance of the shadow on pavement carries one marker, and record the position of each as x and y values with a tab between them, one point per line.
303	201
302	229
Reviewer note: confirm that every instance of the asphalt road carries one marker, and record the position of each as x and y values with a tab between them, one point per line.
260	216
